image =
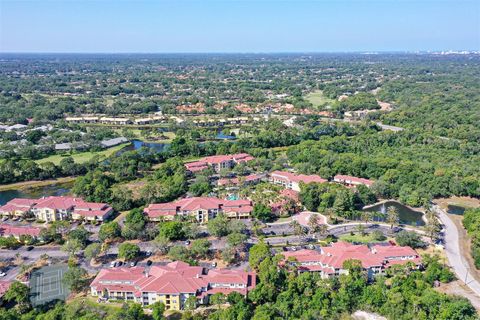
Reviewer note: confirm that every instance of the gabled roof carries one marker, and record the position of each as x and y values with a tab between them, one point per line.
293	177
174	278
336	254
197	203
204	162
156	210
352	180
22	202
393	251
58	203
92	209
7	230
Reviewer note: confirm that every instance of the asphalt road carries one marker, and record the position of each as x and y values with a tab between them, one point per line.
455	257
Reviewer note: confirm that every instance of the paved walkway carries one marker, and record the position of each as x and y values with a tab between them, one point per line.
452	249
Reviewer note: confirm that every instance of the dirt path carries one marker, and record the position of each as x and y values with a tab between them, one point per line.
459	289
34	184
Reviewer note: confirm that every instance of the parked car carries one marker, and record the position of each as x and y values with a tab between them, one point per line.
187	242
148	253
119	263
149	262
113	264
2	274
30	248
133	263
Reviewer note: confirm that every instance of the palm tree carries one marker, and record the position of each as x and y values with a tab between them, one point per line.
361	229
433	225
330	213
366	216
256	227
313	223
323	230
104	248
297	228
392	216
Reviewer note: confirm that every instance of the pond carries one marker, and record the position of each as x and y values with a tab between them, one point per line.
137	144
222	136
454	209
406	215
34	193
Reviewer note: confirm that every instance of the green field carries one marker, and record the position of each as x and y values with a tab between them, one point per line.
138	135
317	98
368	238
82	157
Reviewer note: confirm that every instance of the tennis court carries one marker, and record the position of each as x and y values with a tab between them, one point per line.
46	284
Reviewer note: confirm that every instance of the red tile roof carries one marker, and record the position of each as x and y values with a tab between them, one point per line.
7	230
174	278
195	203
352	180
336	254
293	177
196	166
156	210
290	194
204	162
4	286
394	251
92	209
57	203
18	204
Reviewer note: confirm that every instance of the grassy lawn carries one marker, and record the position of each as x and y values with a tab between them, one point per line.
317	98
82	157
138	135
465	202
110	307
283	219
358	238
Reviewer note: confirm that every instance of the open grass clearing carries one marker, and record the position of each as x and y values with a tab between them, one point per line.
357	237
161	137
82	157
465	202
317	98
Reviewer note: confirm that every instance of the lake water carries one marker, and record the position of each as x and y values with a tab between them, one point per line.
137	144
406	215
222	136
34	193
453	209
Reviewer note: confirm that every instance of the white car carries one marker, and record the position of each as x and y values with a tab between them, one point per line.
113	264
2	274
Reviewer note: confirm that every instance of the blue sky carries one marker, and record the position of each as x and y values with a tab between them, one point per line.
238	25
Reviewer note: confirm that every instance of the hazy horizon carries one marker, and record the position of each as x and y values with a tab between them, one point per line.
238	26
